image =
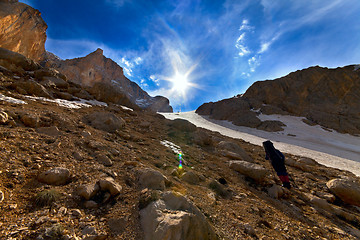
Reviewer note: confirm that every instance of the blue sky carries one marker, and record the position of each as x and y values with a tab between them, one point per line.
221	46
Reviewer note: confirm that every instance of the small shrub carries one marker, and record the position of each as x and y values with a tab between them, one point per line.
55	232
46	197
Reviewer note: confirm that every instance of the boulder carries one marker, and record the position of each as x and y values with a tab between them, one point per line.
183	125
104	121
227	148
202	138
104	160
319	202
175	217
55	176
32	88
190	177
252	170
54	82
4	118
108	184
345	189
152	179
50	131
276	191
30	120
88	191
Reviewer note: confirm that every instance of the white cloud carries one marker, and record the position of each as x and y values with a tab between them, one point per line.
155	80
253	63
240	41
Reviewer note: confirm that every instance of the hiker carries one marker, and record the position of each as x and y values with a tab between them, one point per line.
278	162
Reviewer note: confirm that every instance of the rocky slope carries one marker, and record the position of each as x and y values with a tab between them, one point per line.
88	170
328	97
22	29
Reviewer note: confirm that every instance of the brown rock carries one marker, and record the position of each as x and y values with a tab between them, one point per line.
108	184
22	29
55	176
4	118
252	170
233	151
51	131
152	179
104	121
88	191
345	189
30	120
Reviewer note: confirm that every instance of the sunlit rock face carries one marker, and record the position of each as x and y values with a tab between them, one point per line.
22	29
328	97
102	75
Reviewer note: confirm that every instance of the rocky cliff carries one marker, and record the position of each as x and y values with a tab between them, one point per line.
22	29
328	97
105	79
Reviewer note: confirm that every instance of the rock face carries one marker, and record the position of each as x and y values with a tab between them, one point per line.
22	29
328	97
252	170
174	217
105	79
347	190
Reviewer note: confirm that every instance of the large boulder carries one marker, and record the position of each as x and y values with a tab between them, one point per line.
22	29
108	122
174	217
152	179
55	176
252	170
233	151
345	189
16	62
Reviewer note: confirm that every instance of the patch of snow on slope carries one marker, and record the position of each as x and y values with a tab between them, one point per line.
331	149
175	148
69	104
11	100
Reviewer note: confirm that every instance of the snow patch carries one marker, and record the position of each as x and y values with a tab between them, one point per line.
331	149
69	104
175	148
11	100
126	108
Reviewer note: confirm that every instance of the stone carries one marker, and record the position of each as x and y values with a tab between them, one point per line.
319	202
225	146
252	170
307	161
108	184
88	230
175	217
345	189
55	176
105	121
190	177
202	138
104	160
152	179
54	82
30	120
327	196
76	213
275	191
22	30
220	189
1	196
4	118
90	204
32	88
88	191
52	131
78	156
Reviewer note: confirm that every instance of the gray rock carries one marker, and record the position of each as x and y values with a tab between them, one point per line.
50	131
226	148
190	177
104	160
252	170
108	184
175	217
88	191
345	189
152	179
90	204
276	191
55	176
104	121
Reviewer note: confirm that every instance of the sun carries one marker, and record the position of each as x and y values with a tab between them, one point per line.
180	83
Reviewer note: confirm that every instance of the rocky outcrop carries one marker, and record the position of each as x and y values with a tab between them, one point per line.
105	79
328	97
22	29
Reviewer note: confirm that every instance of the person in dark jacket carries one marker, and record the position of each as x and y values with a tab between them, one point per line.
277	160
